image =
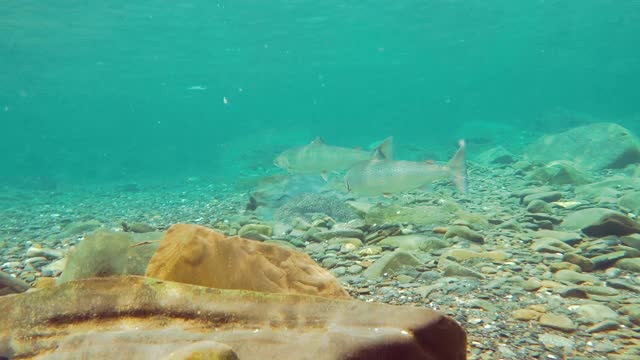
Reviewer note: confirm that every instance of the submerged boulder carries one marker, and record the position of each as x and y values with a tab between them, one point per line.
599	222
560	173
107	253
592	147
142	318
198	255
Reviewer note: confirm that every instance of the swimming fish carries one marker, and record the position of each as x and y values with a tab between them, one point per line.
320	158
384	177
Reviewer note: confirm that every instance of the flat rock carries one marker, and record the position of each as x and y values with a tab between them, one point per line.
550	245
106	253
570	238
406	242
465	233
632	264
558	322
391	263
150	319
595	313
592	147
575	277
560	172
599	222
11	285
496	155
198	255
630	202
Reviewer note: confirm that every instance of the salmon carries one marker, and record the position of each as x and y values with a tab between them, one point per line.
385	176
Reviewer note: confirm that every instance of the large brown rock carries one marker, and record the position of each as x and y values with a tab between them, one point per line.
141	318
198	255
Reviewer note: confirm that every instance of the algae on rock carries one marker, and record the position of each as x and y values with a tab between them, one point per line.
106	253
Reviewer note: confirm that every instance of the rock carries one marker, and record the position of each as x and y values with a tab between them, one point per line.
630	202
431	244
496	155
78	228
340	233
570	238
574	277
306	204
548	197
560	173
464	254
391	263
592	147
47	253
361	208
107	253
607	325
149	319
599	290
260	232
632	240
465	233
539	206
526	314
633	311
632	264
607	260
343	241
595	313
139	228
553	341
572	292
11	285
532	284
584	263
451	268
599	222
419	215
612	187
550	245
198	255
407	242
558	322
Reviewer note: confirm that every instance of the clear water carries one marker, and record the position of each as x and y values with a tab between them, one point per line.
125	91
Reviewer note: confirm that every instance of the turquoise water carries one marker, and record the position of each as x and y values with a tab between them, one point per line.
125	91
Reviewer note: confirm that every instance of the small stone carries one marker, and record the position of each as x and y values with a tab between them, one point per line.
584	263
595	313
607	325
391	263
43	252
340	233
607	260
632	264
454	269
539	206
551	341
532	284
550	245
574	277
558	322
526	314
250	229
465	233
548	197
354	269
600	290
573	292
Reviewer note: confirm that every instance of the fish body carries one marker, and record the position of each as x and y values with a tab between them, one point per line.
382	177
320	158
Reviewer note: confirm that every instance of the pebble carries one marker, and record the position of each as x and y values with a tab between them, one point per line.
558	322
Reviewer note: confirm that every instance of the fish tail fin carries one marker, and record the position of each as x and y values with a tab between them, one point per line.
458	168
384	151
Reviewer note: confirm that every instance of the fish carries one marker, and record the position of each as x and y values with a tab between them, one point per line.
320	158
385	176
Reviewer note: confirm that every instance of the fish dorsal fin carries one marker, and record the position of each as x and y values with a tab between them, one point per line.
384	151
317	141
